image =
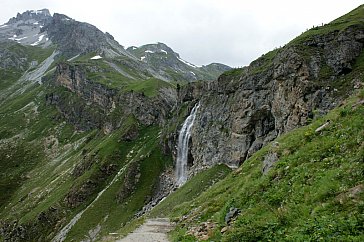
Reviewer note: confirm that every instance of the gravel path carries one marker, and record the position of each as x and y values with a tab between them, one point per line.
153	230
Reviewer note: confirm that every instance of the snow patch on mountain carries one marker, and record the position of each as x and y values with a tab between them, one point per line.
40	38
38	12
18	39
13	38
187	63
72	58
96	57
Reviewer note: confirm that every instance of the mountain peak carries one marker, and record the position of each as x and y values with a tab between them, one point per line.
44	12
170	66
31	14
156	47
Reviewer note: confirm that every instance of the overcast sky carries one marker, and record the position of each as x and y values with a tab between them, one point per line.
232	32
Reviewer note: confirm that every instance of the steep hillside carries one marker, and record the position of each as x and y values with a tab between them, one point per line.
57	173
307	185
294	184
282	90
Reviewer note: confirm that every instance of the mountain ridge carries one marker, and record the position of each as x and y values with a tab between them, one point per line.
71	38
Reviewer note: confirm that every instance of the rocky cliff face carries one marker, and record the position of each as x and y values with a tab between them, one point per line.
245	109
93	105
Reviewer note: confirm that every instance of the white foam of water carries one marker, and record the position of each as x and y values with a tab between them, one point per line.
182	148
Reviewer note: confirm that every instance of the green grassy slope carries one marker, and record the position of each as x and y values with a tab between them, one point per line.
51	171
23	56
22	133
315	191
46	163
108	211
149	87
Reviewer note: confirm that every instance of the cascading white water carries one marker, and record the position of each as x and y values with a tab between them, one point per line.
182	148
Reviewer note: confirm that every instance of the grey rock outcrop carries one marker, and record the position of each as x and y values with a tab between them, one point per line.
39	15
277	93
93	105
73	37
268	161
233	212
340	48
27	28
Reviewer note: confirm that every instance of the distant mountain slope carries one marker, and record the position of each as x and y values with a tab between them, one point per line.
73	38
27	28
169	64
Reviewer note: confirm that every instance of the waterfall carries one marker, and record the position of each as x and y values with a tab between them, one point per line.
182	148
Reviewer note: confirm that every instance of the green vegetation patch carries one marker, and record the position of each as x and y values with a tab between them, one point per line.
235	72
148	87
30	52
264	62
144	157
8	77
